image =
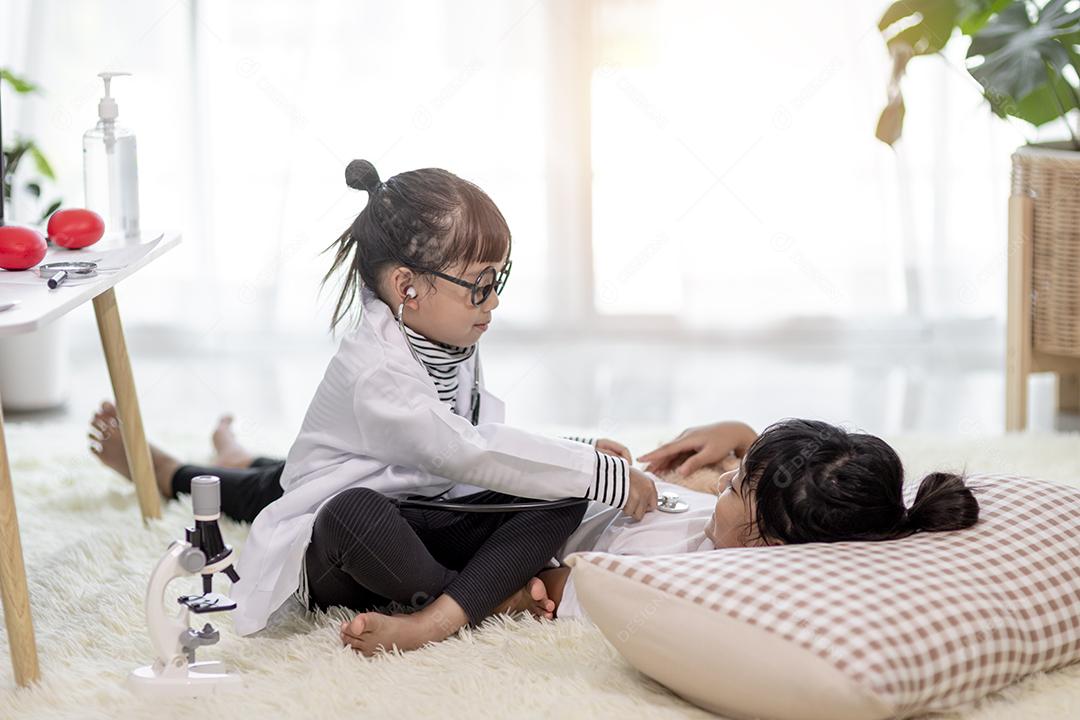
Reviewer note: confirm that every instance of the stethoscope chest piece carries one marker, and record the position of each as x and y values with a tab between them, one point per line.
669	502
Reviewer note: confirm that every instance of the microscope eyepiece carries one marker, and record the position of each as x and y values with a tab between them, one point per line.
206	495
206	535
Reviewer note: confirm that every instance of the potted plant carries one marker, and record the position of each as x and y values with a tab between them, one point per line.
33	367
18	152
1023	54
1026	57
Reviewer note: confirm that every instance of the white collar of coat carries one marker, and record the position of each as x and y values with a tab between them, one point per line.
378	316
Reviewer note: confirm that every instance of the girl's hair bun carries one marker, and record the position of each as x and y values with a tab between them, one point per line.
943	502
362	175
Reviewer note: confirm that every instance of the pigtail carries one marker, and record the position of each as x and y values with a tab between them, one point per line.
345	253
359	175
943	502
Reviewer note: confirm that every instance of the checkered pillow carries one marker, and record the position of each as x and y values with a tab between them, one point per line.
924	623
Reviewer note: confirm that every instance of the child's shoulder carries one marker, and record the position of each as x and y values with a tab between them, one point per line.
360	349
365	355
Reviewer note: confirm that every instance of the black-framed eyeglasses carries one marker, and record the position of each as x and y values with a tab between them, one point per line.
489	279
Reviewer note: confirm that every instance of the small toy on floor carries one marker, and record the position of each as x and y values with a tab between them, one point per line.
175	671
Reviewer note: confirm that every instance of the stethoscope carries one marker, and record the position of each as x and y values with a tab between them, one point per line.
668	502
474	395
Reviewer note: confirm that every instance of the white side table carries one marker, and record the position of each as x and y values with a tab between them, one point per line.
37	306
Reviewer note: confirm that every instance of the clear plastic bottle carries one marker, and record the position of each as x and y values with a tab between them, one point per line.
110	169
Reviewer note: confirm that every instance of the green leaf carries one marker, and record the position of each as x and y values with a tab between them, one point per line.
1015	51
50	210
1040	106
41	162
891	122
976	13
34	189
18	84
14	155
927	25
930	23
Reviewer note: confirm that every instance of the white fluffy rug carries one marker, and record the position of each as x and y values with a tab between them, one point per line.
89	557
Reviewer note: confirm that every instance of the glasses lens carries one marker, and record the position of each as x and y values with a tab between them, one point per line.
485	283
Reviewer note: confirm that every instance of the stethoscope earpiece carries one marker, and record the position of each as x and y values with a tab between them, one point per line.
410	293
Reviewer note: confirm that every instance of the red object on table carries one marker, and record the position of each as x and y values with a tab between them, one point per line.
20	247
75	228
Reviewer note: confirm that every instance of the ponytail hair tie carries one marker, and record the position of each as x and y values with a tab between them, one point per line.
362	175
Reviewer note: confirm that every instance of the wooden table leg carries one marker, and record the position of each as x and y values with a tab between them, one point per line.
1018	320
1068	392
13	592
127	404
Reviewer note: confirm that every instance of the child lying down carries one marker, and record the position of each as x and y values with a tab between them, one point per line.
799	481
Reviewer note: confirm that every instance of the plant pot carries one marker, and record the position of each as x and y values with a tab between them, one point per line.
1050	175
34	371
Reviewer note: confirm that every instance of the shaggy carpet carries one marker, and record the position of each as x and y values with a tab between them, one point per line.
88	559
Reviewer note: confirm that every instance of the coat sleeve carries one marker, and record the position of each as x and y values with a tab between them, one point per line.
401	422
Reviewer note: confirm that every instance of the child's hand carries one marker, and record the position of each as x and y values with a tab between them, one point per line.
610	447
720	443
642	495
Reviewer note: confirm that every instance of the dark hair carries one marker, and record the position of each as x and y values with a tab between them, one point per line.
426	220
815	482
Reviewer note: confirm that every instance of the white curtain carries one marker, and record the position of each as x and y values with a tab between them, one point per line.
735	178
738	179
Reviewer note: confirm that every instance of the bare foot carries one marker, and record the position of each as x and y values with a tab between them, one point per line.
533	599
554	581
107	444
371	631
230	453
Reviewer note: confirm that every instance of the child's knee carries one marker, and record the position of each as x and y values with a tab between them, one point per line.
569	518
578	513
356	509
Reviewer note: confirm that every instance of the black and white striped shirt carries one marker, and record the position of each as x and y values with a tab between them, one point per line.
442	362
611	479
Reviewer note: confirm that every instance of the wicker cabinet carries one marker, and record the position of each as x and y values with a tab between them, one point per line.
1043	327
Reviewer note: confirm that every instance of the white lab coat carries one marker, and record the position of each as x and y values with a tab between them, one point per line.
376	421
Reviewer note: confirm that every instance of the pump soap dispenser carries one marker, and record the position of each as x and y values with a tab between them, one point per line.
110	168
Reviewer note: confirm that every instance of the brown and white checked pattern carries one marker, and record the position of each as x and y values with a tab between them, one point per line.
925	623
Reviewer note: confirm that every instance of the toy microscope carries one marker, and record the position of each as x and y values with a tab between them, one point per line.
203	552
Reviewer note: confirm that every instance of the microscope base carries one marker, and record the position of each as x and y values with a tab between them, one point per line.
202	678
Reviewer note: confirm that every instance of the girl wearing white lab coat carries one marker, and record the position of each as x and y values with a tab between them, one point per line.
427	256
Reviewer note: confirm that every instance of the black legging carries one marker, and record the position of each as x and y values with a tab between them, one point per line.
244	491
365	551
